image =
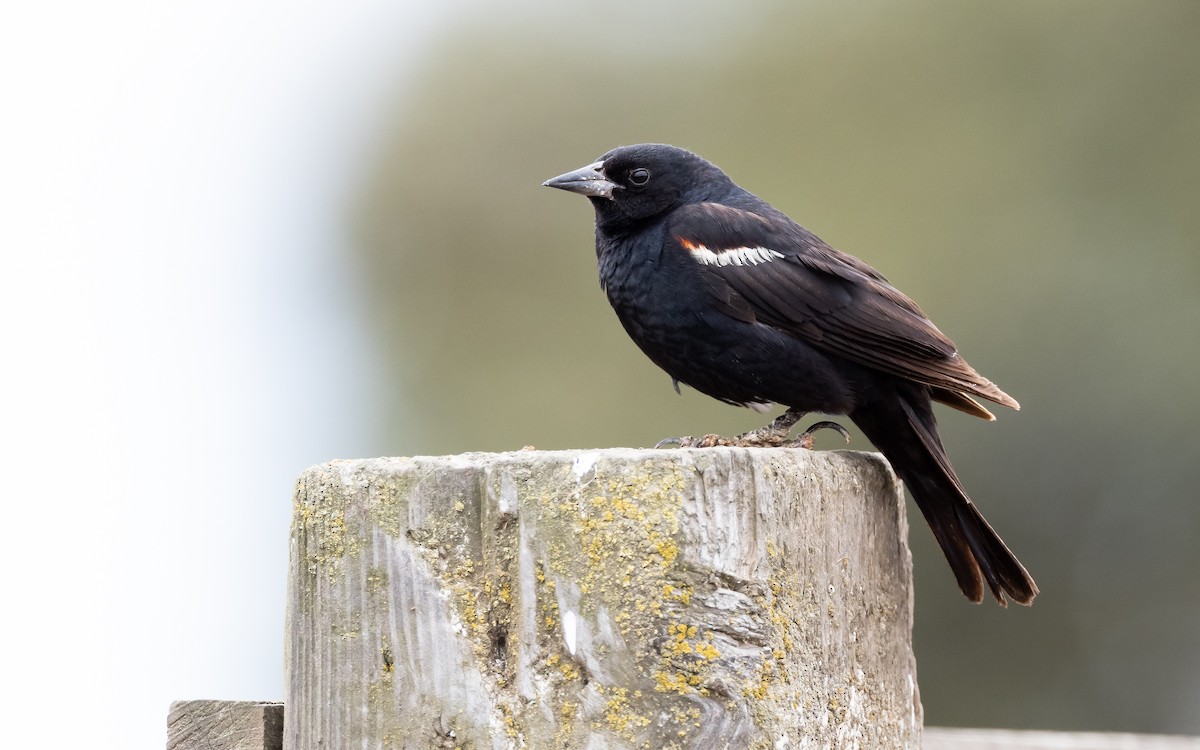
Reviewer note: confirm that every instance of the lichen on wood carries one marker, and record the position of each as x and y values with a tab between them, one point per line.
618	598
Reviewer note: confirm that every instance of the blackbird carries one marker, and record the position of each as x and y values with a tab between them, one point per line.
731	297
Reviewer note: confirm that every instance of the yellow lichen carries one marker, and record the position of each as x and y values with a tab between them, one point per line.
672	682
510	724
708	651
618	715
567	711
685	658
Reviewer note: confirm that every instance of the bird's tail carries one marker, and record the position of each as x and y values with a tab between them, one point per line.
905	430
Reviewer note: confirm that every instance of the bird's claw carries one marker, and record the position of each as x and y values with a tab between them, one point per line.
805	439
827	426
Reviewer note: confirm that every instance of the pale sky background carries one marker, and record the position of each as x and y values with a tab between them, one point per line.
179	337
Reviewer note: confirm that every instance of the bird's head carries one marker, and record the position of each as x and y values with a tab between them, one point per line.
633	183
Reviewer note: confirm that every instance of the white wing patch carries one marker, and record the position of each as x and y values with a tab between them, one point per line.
733	256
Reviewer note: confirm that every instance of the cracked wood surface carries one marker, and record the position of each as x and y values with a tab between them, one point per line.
618	598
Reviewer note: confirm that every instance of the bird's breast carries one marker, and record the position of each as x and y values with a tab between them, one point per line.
668	310
652	296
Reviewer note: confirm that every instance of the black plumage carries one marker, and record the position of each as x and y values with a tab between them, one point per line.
736	300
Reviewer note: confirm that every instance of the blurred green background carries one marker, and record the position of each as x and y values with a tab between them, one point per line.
1029	172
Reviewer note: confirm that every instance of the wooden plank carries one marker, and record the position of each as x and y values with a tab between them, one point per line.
225	725
245	725
938	738
615	598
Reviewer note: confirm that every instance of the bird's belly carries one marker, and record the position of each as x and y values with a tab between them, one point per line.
738	362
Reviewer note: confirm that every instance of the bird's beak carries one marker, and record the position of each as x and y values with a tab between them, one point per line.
589	181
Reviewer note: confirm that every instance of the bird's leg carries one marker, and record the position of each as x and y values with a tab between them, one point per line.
774	435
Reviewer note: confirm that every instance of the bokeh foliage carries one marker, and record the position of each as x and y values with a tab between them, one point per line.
1029	172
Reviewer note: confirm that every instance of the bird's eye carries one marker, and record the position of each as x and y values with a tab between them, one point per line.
639	176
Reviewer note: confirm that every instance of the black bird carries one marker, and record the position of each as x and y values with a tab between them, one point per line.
736	300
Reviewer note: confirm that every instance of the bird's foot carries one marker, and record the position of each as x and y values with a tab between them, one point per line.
774	435
704	441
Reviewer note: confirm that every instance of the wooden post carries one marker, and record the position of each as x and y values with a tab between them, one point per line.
225	725
717	598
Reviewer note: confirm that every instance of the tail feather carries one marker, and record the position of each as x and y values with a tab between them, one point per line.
904	429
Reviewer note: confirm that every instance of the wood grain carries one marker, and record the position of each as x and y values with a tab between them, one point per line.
225	725
726	597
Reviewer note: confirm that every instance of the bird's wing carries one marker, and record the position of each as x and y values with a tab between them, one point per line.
766	268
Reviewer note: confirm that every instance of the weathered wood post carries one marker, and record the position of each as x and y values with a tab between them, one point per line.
718	598
225	725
